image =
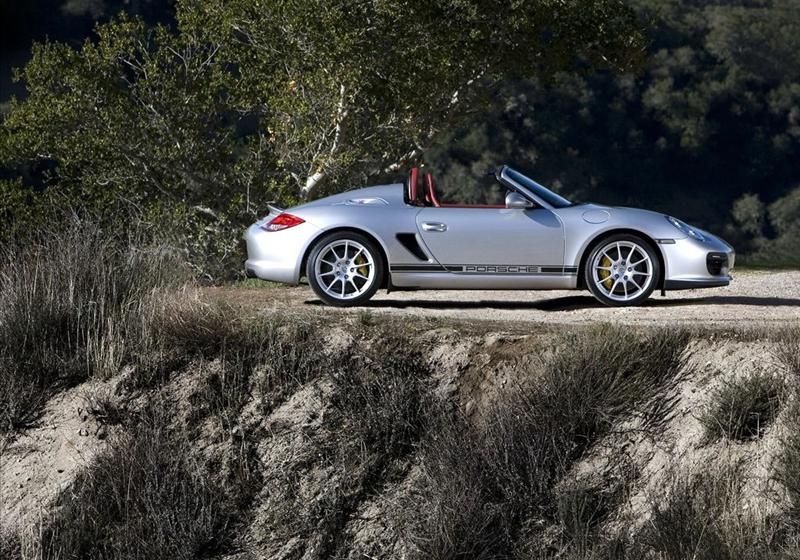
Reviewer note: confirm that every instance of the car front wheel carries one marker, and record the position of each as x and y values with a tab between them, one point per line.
622	270
345	269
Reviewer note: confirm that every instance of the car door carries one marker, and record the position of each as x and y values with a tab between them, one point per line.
483	240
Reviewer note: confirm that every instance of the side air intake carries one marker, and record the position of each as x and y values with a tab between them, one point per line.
409	241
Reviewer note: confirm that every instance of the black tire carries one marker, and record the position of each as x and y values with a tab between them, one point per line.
349	247
610	290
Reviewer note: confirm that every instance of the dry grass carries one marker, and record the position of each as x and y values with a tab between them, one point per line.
488	486
788	351
143	498
744	407
701	515
374	415
70	308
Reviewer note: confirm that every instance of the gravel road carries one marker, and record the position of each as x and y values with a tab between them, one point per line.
754	298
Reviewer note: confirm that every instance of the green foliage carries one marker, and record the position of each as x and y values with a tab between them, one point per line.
247	102
352	87
22	209
780	247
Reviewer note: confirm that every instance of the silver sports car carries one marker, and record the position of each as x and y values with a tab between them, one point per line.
402	236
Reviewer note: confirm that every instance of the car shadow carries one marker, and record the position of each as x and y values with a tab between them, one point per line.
572	303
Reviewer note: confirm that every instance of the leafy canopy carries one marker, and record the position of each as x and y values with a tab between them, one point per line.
251	98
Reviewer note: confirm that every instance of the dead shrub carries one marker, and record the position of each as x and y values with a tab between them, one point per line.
143	498
742	408
486	485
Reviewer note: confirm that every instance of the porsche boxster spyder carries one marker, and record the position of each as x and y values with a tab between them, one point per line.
402	236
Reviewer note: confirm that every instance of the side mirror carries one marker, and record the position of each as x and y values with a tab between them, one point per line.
517	201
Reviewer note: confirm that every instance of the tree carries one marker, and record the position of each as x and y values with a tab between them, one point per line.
350	88
244	101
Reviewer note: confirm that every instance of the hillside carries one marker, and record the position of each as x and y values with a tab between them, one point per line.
318	435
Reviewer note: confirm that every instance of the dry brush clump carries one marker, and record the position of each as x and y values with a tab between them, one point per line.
788	351
70	308
145	497
702	515
742	408
374	412
489	489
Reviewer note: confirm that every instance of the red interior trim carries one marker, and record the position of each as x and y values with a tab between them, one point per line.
430	188
473	205
412	185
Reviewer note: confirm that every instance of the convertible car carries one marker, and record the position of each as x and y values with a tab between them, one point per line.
402	236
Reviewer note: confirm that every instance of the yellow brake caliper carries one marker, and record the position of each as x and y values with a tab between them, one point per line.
362	270
605	275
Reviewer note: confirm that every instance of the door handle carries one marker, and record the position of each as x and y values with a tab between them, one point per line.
434	226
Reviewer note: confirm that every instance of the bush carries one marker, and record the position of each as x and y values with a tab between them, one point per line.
787	464
743	408
700	516
71	306
268	356
375	413
143	498
487	486
788	351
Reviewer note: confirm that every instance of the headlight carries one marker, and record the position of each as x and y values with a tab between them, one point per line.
685	228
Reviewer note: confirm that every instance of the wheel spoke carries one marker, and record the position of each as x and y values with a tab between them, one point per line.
356	288
330	286
637	263
326	273
346	249
344	287
638	287
608	268
329	263
359	275
641	274
625	289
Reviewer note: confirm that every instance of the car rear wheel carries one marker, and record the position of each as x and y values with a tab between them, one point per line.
345	269
622	270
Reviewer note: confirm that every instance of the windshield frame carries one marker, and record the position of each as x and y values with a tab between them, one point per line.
527	186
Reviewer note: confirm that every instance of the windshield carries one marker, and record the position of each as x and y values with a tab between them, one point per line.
551	198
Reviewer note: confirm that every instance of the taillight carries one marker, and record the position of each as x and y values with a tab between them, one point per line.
282	221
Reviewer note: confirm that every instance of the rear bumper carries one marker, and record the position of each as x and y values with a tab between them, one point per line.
277	255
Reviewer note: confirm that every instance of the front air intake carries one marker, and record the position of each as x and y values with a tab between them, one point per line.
717	264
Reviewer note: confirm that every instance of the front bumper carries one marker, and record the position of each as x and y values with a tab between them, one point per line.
277	255
691	264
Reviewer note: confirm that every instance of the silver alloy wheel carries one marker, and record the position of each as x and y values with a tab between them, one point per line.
622	270
344	269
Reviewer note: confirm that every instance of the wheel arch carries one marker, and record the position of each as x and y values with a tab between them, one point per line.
372	237
616	231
